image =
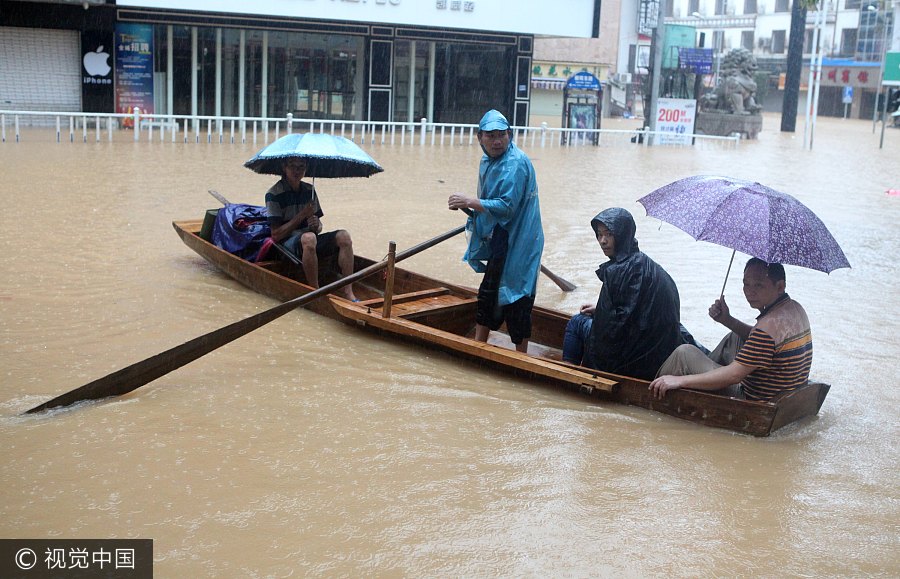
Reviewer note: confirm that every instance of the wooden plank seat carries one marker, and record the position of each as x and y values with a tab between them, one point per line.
446	304
412	304
407	297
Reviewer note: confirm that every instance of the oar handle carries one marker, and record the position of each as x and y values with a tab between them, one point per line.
562	283
287	253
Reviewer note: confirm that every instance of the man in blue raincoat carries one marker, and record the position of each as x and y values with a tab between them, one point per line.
505	234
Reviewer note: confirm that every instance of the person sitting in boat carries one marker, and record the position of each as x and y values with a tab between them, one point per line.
507	238
294	216
635	324
754	362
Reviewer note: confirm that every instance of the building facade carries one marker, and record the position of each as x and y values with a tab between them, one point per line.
854	36
384	60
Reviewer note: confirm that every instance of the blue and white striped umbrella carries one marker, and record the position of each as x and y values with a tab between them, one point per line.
326	156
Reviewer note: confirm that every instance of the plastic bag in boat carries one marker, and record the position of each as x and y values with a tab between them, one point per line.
241	229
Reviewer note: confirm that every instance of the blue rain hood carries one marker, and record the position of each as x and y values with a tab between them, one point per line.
507	188
493	120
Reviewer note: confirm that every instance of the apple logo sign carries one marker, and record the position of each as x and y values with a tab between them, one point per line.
95	62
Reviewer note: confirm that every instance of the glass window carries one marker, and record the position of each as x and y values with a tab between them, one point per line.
380	104
253	74
782	6
778	37
206	71
402	80
277	77
471	79
750	7
718	40
523	77
382	52
747	40
231	60
315	76
160	66
874	24
848	42
181	80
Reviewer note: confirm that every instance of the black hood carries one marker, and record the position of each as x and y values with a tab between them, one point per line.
637	318
620	222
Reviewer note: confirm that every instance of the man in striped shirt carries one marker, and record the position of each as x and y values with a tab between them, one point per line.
755	362
294	215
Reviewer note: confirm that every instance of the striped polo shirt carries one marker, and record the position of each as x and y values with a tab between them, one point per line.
283	203
779	349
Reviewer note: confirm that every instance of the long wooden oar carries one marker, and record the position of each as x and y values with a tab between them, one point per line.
141	373
563	284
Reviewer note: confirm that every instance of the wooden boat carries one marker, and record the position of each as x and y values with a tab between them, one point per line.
425	311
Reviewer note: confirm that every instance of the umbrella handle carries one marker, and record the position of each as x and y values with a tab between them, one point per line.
722	293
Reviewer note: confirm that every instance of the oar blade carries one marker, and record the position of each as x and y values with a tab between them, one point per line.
563	284
144	372
133	377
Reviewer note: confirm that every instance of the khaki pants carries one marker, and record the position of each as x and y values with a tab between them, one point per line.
687	360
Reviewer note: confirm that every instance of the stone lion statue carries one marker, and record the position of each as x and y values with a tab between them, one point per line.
737	89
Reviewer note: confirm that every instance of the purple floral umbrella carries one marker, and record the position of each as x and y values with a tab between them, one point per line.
747	217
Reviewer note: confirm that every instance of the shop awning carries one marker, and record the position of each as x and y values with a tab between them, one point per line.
548	83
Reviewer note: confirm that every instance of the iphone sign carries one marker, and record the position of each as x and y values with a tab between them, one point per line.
97	86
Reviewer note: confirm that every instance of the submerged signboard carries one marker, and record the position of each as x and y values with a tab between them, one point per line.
134	67
573	18
676	121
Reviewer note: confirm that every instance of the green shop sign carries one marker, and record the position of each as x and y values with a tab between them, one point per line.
892	69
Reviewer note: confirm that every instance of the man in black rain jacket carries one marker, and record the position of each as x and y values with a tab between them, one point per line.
635	324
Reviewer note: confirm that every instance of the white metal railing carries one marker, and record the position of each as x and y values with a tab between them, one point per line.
212	129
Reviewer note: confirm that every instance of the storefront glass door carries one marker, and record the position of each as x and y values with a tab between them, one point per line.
406	52
322	78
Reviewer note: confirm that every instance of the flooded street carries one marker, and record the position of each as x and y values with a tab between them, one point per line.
311	448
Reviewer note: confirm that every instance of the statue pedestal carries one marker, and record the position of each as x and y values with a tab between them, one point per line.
723	124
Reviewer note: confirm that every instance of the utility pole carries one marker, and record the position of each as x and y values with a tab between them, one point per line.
698	78
794	68
656	61
815	79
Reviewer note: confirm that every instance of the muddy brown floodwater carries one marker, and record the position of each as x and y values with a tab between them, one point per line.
309	448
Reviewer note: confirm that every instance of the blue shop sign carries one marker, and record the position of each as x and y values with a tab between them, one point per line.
583	81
